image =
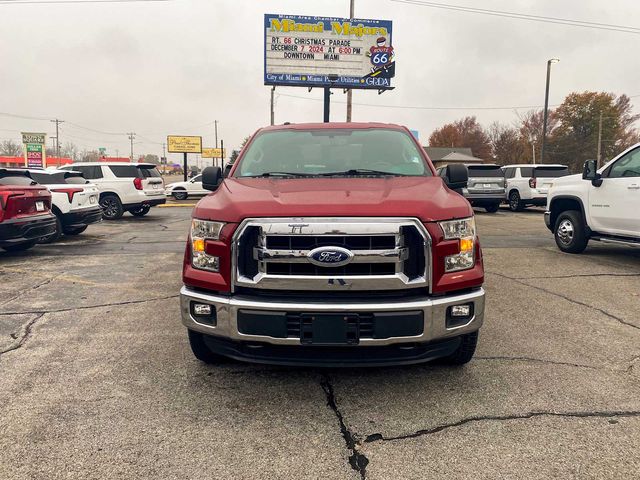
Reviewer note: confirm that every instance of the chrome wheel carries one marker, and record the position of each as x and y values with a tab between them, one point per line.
565	232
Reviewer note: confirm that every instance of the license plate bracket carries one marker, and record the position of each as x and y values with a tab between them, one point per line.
329	329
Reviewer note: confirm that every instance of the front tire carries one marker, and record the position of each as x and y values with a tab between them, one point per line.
140	211
493	208
465	351
515	202
20	247
200	349
74	231
570	232
55	236
111	207
180	194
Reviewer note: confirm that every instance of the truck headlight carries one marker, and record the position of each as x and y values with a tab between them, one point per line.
202	230
464	231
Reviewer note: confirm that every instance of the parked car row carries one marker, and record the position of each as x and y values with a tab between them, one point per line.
519	185
124	187
39	206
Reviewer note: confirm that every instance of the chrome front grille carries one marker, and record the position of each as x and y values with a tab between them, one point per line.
387	254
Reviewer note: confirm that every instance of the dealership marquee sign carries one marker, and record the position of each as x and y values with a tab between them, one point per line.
35	155
323	51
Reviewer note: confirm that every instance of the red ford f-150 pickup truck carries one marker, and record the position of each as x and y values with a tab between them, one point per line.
333	244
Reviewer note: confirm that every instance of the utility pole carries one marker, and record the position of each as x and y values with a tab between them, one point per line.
132	135
164	155
215	123
273	113
57	122
546	108
599	154
350	91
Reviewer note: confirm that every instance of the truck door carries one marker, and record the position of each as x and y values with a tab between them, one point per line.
615	206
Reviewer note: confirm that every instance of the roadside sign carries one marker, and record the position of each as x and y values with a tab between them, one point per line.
213	153
184	144
38	138
35	155
327	51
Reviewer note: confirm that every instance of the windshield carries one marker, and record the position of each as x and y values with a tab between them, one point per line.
330	152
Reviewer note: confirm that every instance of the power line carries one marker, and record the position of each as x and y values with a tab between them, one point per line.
28	2
417	107
524	16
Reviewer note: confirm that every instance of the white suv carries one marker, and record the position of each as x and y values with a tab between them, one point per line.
599	205
132	187
74	201
528	184
182	190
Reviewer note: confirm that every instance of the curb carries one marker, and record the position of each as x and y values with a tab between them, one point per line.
169	205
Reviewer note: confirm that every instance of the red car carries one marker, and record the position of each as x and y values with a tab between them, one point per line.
25	211
333	244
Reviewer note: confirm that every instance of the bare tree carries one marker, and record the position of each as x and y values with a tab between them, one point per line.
10	148
70	150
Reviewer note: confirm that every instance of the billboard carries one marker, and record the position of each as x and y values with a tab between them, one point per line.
325	51
213	153
184	144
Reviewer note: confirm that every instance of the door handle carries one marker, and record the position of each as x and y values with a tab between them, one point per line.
634	186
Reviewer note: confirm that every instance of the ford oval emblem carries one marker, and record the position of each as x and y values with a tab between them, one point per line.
330	256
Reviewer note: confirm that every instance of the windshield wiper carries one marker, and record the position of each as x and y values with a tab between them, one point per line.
360	171
281	174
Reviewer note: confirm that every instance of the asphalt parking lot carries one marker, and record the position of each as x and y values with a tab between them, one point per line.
97	380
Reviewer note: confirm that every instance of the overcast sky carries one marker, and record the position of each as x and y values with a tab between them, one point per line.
174	67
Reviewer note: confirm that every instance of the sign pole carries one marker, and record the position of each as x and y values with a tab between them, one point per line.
222	155
327	97
184	167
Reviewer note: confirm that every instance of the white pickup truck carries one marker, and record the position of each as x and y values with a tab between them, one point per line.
602	204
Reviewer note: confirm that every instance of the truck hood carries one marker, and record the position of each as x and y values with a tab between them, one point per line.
426	198
567	179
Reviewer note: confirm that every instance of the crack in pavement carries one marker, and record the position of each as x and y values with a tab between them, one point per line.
576	275
541	360
34	287
25	336
357	460
115	304
378	437
571	300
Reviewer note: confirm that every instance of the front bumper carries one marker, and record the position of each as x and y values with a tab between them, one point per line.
26	229
434	340
80	218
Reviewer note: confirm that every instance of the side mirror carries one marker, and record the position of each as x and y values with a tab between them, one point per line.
456	176
211	178
227	170
590	172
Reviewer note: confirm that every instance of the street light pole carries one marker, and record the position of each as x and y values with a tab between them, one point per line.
546	108
350	91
